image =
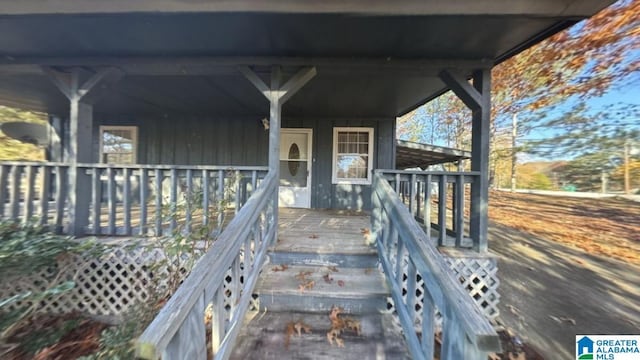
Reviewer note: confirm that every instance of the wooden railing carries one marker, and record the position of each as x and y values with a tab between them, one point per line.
34	192
408	255
158	199
179	330
125	199
440	201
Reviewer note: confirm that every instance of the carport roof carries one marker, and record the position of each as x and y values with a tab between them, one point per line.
411	154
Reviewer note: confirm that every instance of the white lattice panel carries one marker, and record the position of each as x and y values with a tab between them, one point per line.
478	275
106	286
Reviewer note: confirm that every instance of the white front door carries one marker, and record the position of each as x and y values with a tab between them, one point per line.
295	168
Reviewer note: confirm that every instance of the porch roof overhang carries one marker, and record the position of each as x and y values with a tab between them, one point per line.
374	58
412	154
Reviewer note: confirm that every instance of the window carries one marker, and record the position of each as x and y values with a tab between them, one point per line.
352	155
118	144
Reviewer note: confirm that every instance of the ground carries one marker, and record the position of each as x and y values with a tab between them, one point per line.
567	266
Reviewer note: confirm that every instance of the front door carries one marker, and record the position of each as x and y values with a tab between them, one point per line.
295	168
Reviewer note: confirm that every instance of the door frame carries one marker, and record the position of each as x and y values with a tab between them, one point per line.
309	133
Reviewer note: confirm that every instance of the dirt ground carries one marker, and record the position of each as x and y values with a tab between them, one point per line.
567	266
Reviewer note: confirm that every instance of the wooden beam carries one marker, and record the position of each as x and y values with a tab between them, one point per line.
59	80
296	83
256	81
461	87
73	88
539	8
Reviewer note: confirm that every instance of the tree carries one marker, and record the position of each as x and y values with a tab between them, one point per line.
11	149
574	65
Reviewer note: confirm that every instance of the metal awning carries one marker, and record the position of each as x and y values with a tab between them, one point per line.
411	154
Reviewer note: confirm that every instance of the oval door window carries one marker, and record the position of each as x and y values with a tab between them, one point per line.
294	153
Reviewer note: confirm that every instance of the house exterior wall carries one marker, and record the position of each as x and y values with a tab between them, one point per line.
244	141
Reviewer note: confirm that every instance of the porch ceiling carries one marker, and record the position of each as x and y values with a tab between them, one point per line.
389	51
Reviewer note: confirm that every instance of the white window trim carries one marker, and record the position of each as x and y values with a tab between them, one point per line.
134	130
334	168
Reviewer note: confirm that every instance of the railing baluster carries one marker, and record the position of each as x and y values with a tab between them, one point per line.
173	199
220	198
158	209
254	181
28	194
412	195
459	213
45	187
111	200
4	177
189	200
218	320
428	323
61	175
126	200
411	288
452	338
96	199
427	205
442	210
205	197
16	177
144	195
238	194
400	262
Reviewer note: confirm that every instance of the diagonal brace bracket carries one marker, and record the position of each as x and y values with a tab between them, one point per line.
462	88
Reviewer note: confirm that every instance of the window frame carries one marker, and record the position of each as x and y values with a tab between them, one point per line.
134	141
334	169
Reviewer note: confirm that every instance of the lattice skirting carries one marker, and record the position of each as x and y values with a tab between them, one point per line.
477	273
108	286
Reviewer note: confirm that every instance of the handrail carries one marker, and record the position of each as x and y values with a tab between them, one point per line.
178	331
399	239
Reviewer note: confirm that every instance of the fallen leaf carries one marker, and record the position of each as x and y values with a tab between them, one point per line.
365	231
327	278
313	236
332	268
340	283
282	267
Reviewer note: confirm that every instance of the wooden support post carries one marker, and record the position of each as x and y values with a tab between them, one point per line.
277	96
79	195
480	161
81	95
477	97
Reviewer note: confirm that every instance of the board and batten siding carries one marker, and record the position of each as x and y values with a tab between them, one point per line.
244	141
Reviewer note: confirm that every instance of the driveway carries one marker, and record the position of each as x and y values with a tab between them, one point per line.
551	292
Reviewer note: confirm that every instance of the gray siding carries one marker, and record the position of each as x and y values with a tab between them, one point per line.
243	141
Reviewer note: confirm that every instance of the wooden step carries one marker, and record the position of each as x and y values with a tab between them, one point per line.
357	290
263	336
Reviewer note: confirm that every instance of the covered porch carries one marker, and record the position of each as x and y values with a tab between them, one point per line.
201	96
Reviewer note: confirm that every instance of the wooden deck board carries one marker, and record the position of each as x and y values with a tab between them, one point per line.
323	232
264	335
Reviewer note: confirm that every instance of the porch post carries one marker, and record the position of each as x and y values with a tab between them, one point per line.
480	125
80	147
477	97
275	110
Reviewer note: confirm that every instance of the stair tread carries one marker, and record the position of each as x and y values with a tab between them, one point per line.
263	336
345	283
